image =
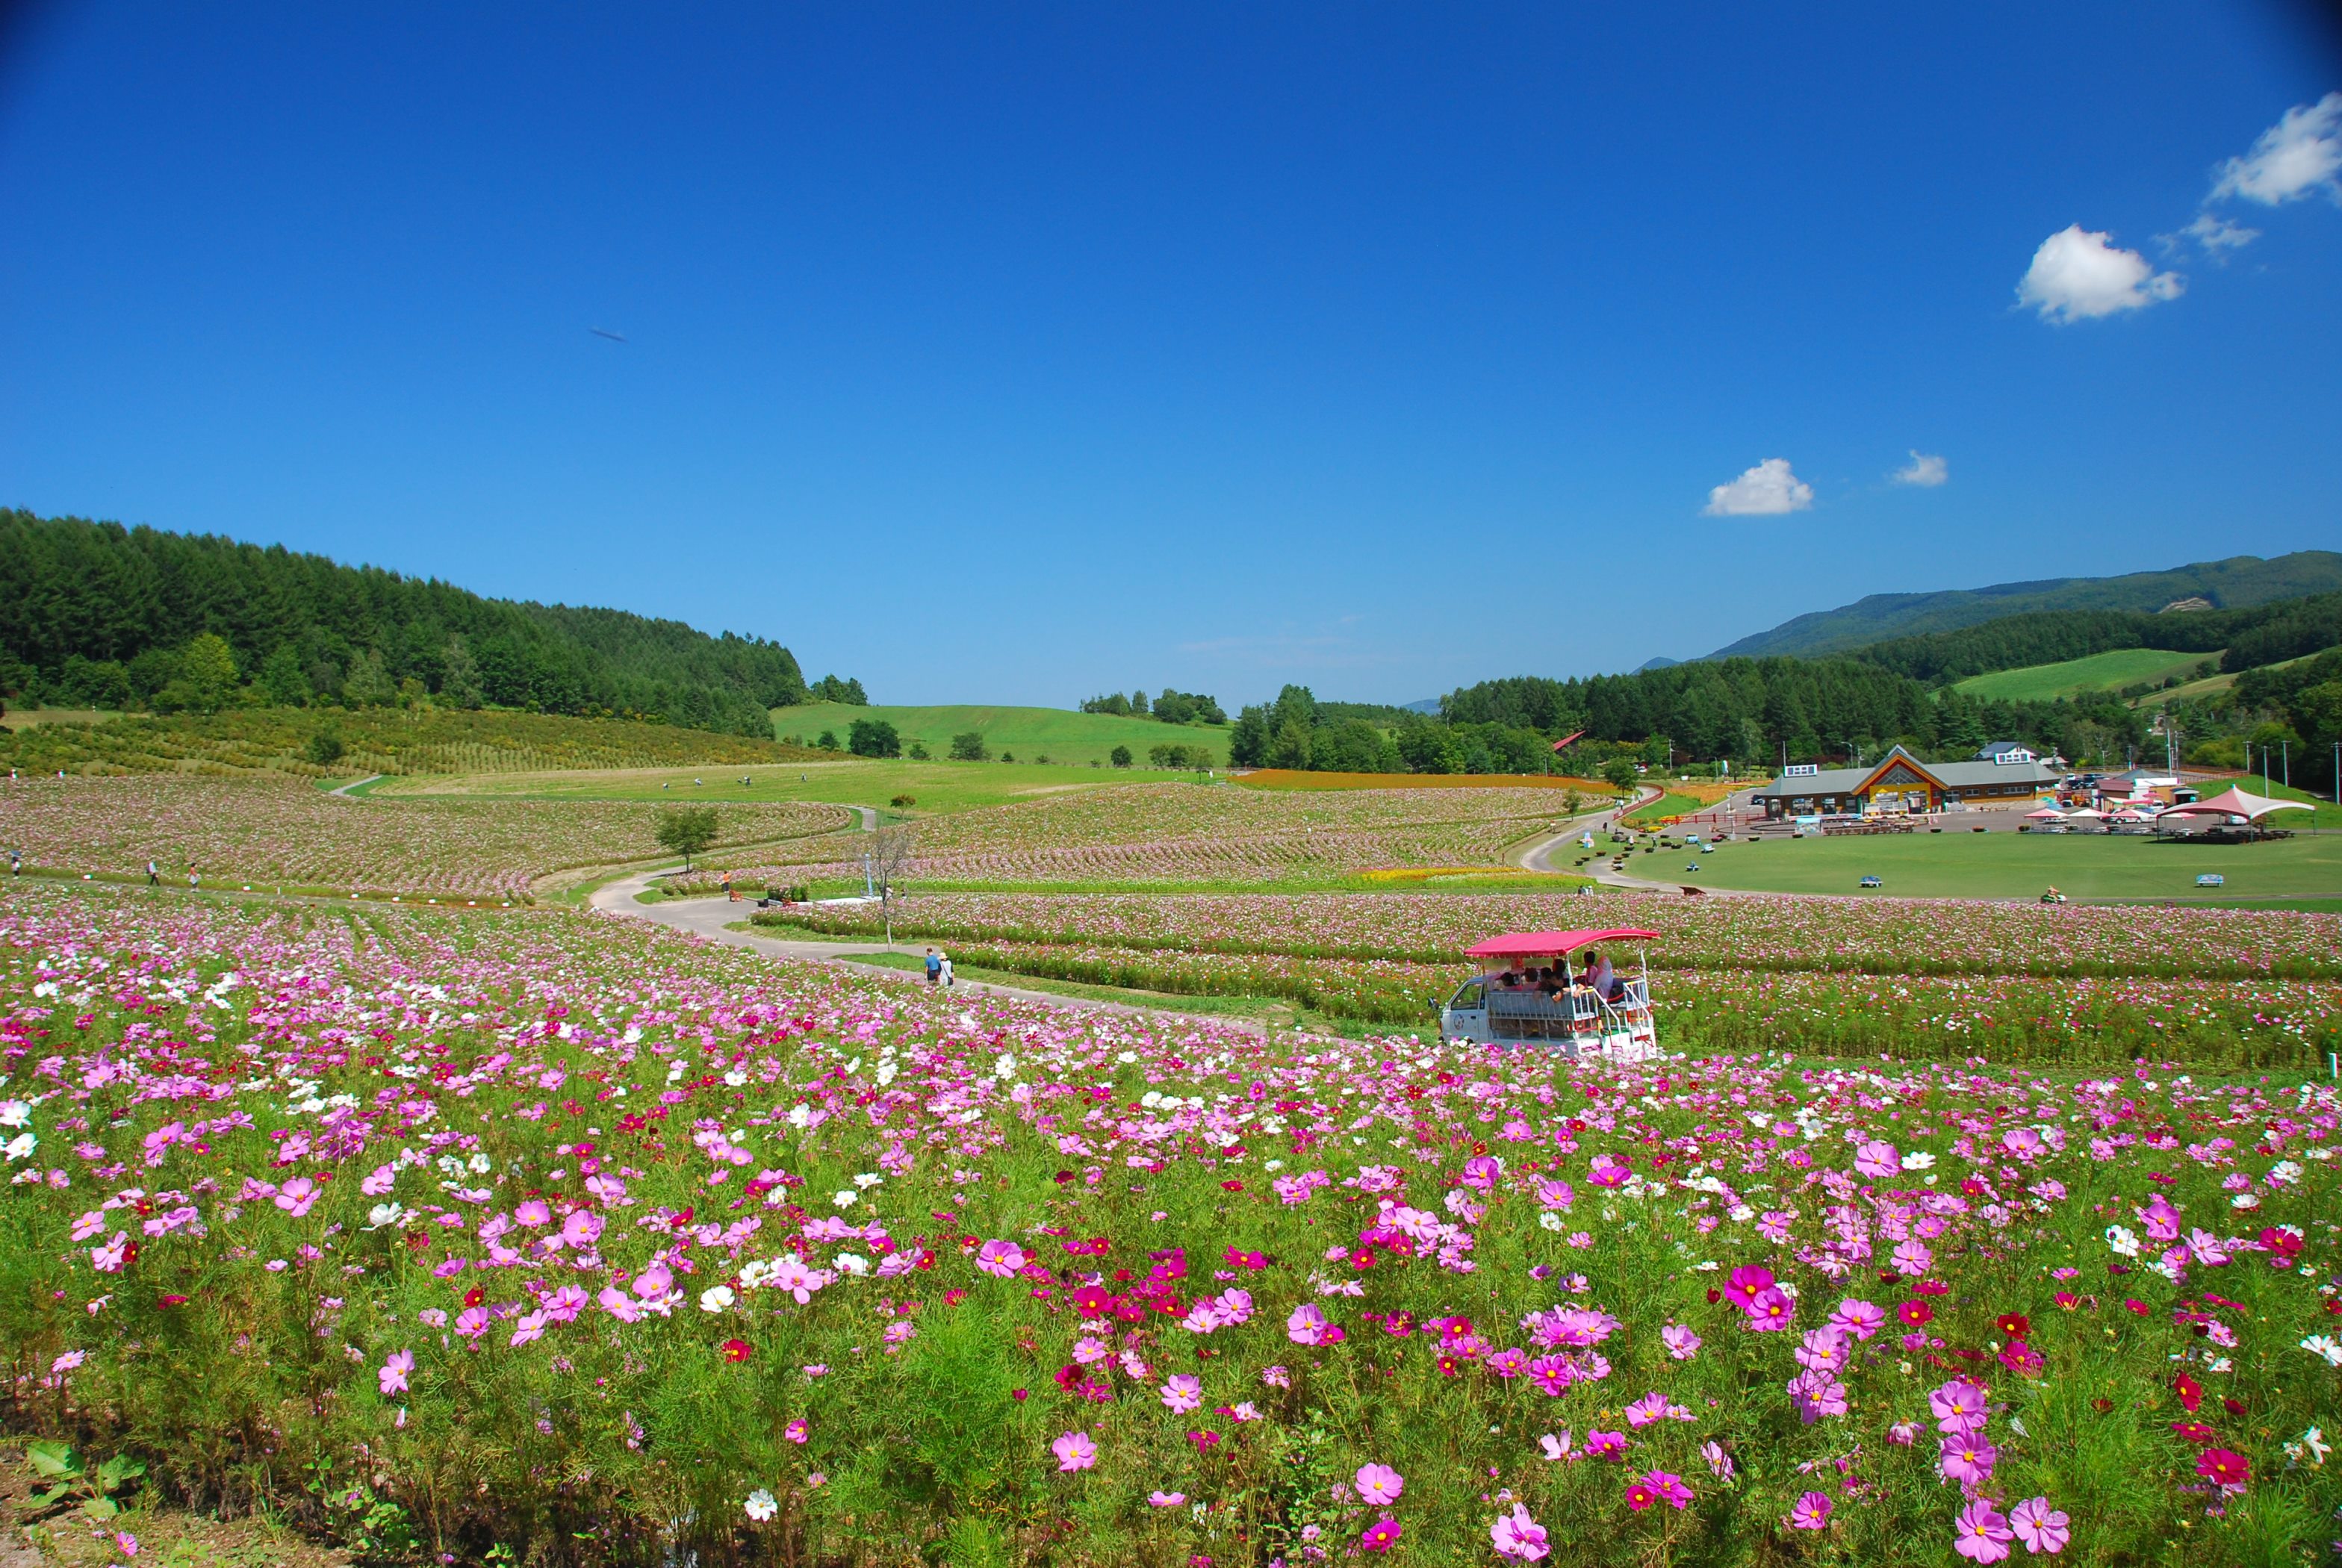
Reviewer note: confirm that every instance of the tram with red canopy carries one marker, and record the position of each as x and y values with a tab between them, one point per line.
1528	990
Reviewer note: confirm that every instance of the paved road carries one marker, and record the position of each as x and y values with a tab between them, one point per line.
711	917
1538	856
354	785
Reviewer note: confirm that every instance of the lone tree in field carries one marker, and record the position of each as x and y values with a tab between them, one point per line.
687	830
890	852
1619	774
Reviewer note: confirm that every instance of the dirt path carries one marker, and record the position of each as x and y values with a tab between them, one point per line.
713	918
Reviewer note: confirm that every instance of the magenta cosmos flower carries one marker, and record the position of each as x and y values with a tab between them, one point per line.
1381	1535
1515	1534
2041	1527
1001	1260
1669	1488
1380	1484
1074	1450
1811	1511
1981	1533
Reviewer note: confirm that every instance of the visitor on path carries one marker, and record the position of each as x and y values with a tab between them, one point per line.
945	969
194	877
935	967
16	862
154	874
730	892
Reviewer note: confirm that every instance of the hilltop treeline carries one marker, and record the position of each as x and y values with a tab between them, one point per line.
2261	634
95	614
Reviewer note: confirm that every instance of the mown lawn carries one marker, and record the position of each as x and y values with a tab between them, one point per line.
933	786
1953	864
2107	671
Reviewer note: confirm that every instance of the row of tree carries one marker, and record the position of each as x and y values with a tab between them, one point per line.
1173	707
94	615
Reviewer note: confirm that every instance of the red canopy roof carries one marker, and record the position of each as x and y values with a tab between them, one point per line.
1551	943
2236	802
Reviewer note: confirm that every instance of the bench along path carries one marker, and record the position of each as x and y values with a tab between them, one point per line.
711	918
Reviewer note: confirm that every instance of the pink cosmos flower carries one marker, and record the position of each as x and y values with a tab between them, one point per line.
1670	1487
1811	1511
582	1229
1720	1463
1913	1258
533	1213
1382	1534
1307	1325
1959	1405
619	1304
1182	1392
1161	1499
1982	1532
1481	1171
1555	1448
1605	1444
1608	1171
1553	1194
1681	1342
1074	1450
1859	1319
530	1327
470	1322
1966	1458
1772	1311
1876	1160
1515	1534
1508	1363
1746	1283
1552	1374
1824	1349
2041	1527
1380	1484
1001	1260
564	1304
796	1430
392	1374
1651	1407
295	1196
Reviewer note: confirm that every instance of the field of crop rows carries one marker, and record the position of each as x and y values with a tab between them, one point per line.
441	1230
1906	978
284	833
378	741
1179	833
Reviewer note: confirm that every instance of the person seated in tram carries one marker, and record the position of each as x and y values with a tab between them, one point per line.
1599	978
1547	983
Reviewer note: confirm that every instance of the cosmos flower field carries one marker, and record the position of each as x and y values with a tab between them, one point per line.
1905	978
559	1236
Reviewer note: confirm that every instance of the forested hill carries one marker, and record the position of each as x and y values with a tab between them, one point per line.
2244	638
95	615
2236	583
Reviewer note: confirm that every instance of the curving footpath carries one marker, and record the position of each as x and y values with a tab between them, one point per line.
712	918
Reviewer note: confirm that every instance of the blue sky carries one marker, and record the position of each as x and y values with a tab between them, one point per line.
1017	353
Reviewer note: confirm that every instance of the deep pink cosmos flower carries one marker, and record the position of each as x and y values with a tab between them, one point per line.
2225	1468
2041	1527
1669	1488
1981	1533
1811	1511
1966	1458
1381	1535
1746	1283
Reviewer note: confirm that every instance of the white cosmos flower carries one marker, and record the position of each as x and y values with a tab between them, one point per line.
2246	1201
14	1113
715	1298
761	1506
1918	1160
845	1197
2325	1345
2124	1240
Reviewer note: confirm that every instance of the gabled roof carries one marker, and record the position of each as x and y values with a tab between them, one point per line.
1943	775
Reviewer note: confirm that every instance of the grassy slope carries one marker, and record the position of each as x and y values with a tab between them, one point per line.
1065	736
2105	672
1302	779
2010	865
933	786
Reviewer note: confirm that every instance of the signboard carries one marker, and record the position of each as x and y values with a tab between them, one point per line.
1801	771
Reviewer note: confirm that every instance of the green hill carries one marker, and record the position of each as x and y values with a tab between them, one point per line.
1027	733
2233	584
2107	671
97	615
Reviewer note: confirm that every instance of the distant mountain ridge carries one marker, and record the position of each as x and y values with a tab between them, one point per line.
2236	583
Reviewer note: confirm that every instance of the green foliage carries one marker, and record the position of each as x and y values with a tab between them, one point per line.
324	747
830	689
138	599
687	830
72	1480
873	738
1120	756
968	747
827	741
1619	774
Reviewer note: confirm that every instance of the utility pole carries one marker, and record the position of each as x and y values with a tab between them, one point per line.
2284	756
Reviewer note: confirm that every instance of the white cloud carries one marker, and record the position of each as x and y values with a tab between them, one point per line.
1924	470
2076	274
2300	155
2217	236
1766	489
